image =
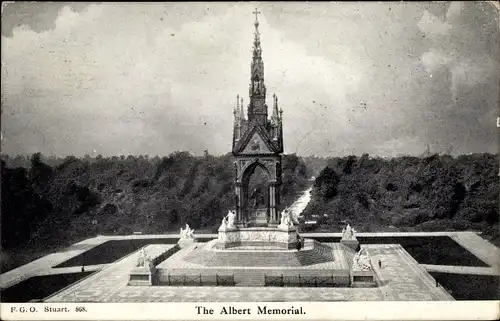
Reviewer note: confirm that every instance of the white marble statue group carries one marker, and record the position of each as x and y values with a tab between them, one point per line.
362	261
143	260
286	219
348	233
187	233
228	220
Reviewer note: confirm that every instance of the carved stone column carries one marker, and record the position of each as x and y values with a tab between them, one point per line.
273	213
239	202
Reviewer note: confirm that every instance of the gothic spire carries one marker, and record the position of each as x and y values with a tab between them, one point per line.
257	72
257	91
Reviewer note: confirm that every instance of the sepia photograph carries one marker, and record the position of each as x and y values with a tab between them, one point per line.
248	159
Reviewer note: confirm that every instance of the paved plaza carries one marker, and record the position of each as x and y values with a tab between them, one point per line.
400	278
109	285
475	244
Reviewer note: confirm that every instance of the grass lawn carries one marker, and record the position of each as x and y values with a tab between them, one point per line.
110	251
470	287
439	250
39	287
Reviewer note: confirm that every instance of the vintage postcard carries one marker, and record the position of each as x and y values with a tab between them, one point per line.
250	160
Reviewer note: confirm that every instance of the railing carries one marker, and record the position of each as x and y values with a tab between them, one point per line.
307	280
316	281
197	280
184	279
274	280
225	280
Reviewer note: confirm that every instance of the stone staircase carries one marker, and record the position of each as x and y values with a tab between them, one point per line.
236	258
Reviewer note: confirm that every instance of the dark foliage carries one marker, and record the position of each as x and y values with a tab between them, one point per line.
46	206
409	193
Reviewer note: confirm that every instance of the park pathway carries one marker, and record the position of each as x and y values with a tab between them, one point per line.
43	266
484	250
455	269
300	204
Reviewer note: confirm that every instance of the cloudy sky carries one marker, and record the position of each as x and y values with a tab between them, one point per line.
152	78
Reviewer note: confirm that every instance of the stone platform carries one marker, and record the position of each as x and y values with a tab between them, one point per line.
284	238
400	278
207	255
253	267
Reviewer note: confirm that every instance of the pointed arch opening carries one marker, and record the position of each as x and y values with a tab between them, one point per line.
256	181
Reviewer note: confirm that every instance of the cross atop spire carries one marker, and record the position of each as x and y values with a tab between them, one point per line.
256	13
257	71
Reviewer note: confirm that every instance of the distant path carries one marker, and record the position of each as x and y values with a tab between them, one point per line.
475	270
300	204
43	266
484	250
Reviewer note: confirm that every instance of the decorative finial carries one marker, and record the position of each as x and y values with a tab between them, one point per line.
242	112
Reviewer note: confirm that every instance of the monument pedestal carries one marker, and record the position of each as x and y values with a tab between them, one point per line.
362	278
142	276
284	238
258	217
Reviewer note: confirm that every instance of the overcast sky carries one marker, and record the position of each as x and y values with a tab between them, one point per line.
151	78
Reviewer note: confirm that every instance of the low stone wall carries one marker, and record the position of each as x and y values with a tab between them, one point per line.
162	257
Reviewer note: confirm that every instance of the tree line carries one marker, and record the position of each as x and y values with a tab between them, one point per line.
435	193
47	201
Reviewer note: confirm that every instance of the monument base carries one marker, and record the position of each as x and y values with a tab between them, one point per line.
258	217
142	276
362	278
265	237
